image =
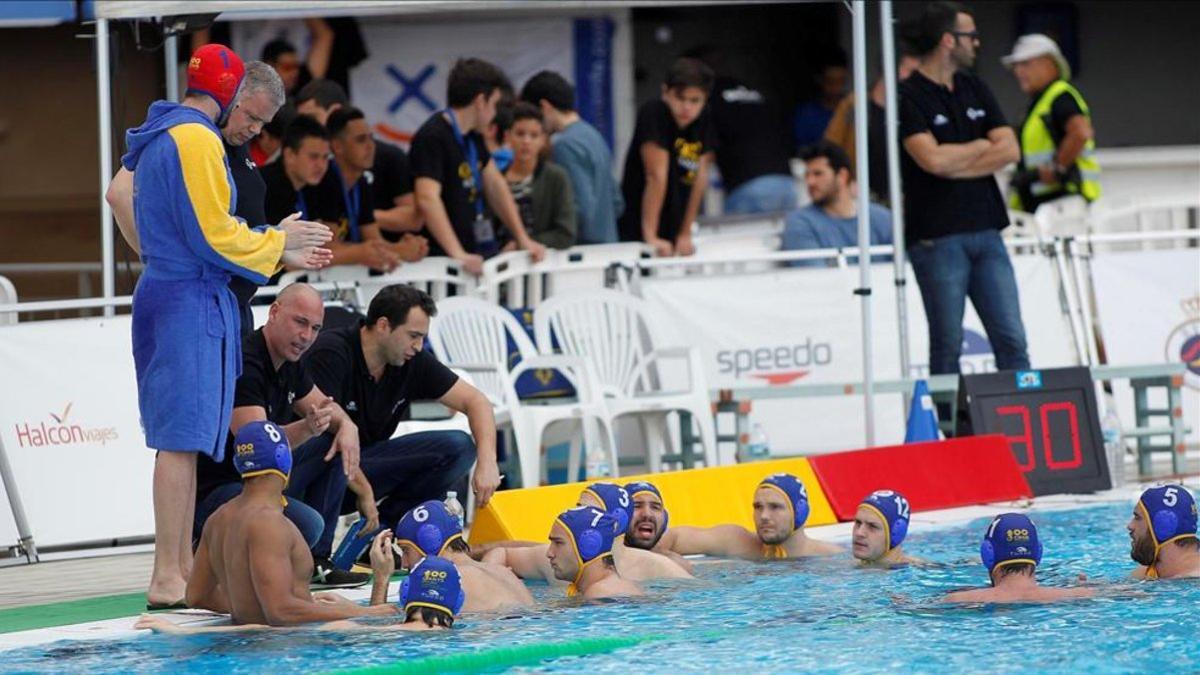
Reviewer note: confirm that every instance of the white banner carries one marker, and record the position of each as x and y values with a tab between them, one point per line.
403	81
70	426
1148	304
803	326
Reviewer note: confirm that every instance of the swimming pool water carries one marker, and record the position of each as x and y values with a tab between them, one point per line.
791	616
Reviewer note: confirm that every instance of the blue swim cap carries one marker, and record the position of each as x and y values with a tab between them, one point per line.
591	531
433	582
793	489
892	508
429	526
640	486
1171	512
260	448
615	500
1011	539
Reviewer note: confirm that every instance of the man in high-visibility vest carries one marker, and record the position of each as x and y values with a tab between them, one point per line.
1057	141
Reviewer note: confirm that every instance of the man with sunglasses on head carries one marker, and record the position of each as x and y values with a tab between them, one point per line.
955	138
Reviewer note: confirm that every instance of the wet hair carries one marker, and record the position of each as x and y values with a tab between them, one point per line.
325	93
938	19
1187	542
551	87
275	49
341	118
432	617
1016	568
608	562
470	78
300	128
393	302
262	78
458	545
685	72
832	152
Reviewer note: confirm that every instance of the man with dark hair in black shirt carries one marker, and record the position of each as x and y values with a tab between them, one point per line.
375	370
301	166
455	174
666	167
275	386
955	138
395	204
319	98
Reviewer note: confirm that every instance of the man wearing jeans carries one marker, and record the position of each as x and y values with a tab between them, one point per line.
375	370
955	139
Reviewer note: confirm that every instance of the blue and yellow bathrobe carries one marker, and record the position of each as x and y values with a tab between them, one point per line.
186	345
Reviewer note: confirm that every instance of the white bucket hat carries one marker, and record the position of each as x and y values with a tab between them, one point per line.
1035	45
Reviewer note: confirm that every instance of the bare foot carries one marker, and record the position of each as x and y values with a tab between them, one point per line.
166	591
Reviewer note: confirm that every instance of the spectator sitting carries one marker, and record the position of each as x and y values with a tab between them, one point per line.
831	221
813	116
841	126
583	153
282	56
265	147
346	192
319	98
300	168
542	190
455	174
666	168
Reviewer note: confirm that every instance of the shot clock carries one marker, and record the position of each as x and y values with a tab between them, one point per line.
1051	422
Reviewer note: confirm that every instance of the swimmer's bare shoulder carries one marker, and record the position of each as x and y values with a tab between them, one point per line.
643	565
816	547
613	586
504	577
719	540
1139	573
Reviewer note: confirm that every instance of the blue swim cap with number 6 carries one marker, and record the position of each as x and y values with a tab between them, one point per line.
429	526
260	448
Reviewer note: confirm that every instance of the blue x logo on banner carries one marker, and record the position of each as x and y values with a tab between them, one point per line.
411	88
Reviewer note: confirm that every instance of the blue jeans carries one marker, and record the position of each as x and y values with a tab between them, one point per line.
413	468
320	484
307	520
765	194
949	270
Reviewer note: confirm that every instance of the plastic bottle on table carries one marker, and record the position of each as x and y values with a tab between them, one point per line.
758	446
598	465
1114	445
455	507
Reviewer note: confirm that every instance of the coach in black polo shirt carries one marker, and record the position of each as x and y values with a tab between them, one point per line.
375	370
955	139
275	386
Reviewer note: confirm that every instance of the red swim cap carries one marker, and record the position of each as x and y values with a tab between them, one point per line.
216	71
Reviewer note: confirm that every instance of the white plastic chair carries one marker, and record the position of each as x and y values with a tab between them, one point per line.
614	332
8	296
471	335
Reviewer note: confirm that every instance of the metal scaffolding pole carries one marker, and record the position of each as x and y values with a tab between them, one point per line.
859	11
895	189
104	96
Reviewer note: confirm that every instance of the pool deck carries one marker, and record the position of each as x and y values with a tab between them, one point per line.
100	596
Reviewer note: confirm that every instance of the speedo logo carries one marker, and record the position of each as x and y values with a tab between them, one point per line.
778	365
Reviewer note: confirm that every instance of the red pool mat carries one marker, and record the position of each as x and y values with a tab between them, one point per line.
935	475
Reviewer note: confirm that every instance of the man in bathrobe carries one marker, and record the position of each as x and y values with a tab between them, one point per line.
185	320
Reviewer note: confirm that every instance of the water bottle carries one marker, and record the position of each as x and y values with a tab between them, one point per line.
455	507
758	447
598	465
1114	446
351	547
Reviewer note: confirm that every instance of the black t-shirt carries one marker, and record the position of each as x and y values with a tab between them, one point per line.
685	147
748	133
339	369
283	200
392	179
935	206
435	154
250	206
348	210
259	385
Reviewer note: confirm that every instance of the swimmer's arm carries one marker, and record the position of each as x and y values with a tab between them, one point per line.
974	595
721	540
683	562
120	198
479	550
527	563
271	574
160	624
203	590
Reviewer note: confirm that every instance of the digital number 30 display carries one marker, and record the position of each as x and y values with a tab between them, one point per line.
1050	420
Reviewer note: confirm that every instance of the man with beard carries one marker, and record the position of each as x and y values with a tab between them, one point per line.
648	520
831	221
780	509
1163	534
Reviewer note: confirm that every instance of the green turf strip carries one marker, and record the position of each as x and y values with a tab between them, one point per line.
71	612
